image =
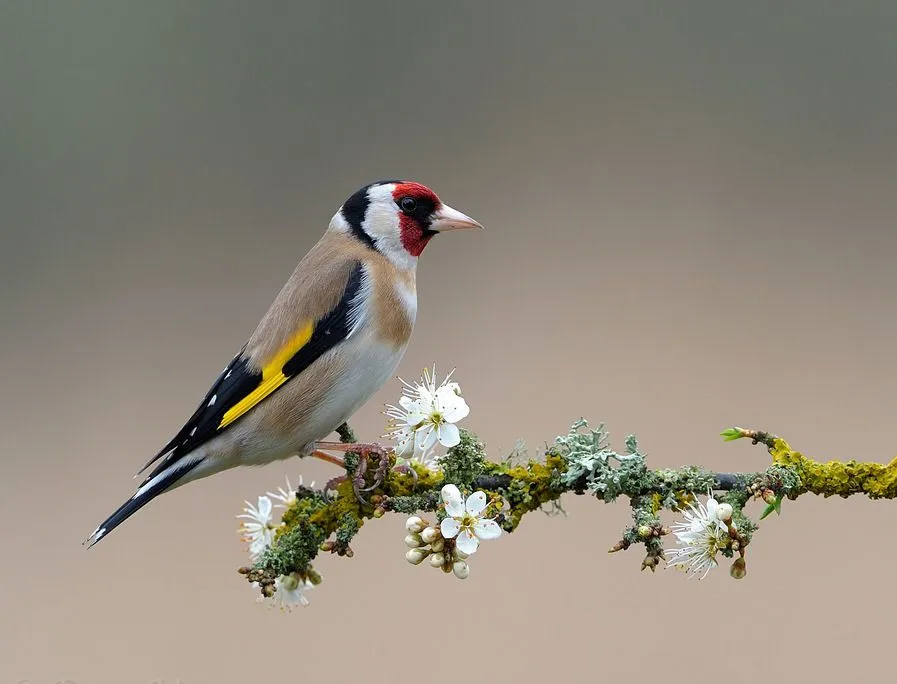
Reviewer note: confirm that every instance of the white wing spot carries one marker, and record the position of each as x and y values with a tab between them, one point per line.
228	374
192	432
213	400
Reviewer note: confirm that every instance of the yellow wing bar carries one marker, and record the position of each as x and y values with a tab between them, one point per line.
272	376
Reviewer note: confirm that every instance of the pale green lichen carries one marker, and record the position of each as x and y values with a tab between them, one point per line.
593	466
463	463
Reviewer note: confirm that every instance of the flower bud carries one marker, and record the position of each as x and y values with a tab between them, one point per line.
461	569
437	545
724	512
458	554
644	531
738	569
415	524
416	556
430	534
650	563
413	541
437	560
769	496
289	582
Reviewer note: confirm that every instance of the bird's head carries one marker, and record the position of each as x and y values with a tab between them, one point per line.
398	218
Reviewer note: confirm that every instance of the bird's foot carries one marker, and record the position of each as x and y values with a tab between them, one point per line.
364	451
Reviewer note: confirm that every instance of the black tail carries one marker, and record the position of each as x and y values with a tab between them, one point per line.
146	493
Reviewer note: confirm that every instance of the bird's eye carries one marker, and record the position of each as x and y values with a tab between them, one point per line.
408	205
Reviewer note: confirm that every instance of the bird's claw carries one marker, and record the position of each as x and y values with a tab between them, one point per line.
359	482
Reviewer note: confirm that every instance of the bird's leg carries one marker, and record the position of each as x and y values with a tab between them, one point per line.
330	458
363	450
357	447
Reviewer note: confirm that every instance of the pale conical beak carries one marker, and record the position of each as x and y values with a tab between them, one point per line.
446	218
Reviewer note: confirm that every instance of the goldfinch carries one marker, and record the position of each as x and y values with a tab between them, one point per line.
334	334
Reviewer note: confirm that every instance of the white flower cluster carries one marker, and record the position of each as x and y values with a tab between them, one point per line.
457	537
258	529
426	416
701	536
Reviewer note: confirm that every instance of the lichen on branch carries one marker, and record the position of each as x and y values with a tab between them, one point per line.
580	462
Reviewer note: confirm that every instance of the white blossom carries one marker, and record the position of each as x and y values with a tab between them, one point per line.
257	528
286	497
289	591
426	416
700	537
464	522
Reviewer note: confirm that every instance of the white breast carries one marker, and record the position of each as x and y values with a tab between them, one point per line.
369	364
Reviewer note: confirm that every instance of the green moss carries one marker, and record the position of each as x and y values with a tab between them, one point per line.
348	528
401	484
532	486
346	434
427	501
329	516
463	463
294	549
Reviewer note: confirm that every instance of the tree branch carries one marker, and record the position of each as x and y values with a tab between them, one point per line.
580	462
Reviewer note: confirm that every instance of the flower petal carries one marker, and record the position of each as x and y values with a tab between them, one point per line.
265	506
425	438
466	542
404	442
451	497
449	527
448	435
476	503
451	405
418	412
486	529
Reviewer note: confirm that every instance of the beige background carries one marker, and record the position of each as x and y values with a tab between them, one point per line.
690	221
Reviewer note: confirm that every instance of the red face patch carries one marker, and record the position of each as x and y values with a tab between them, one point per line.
416	205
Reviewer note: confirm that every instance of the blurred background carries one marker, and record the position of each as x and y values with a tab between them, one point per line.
690	214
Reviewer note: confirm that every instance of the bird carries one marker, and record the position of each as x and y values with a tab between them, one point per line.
333	336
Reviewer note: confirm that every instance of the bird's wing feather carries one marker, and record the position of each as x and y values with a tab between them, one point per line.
248	380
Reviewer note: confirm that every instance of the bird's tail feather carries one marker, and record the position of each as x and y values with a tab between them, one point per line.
146	493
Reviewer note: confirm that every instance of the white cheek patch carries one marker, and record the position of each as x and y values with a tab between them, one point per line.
381	222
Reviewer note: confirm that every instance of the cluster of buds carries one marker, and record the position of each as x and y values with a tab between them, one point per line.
425	542
759	491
